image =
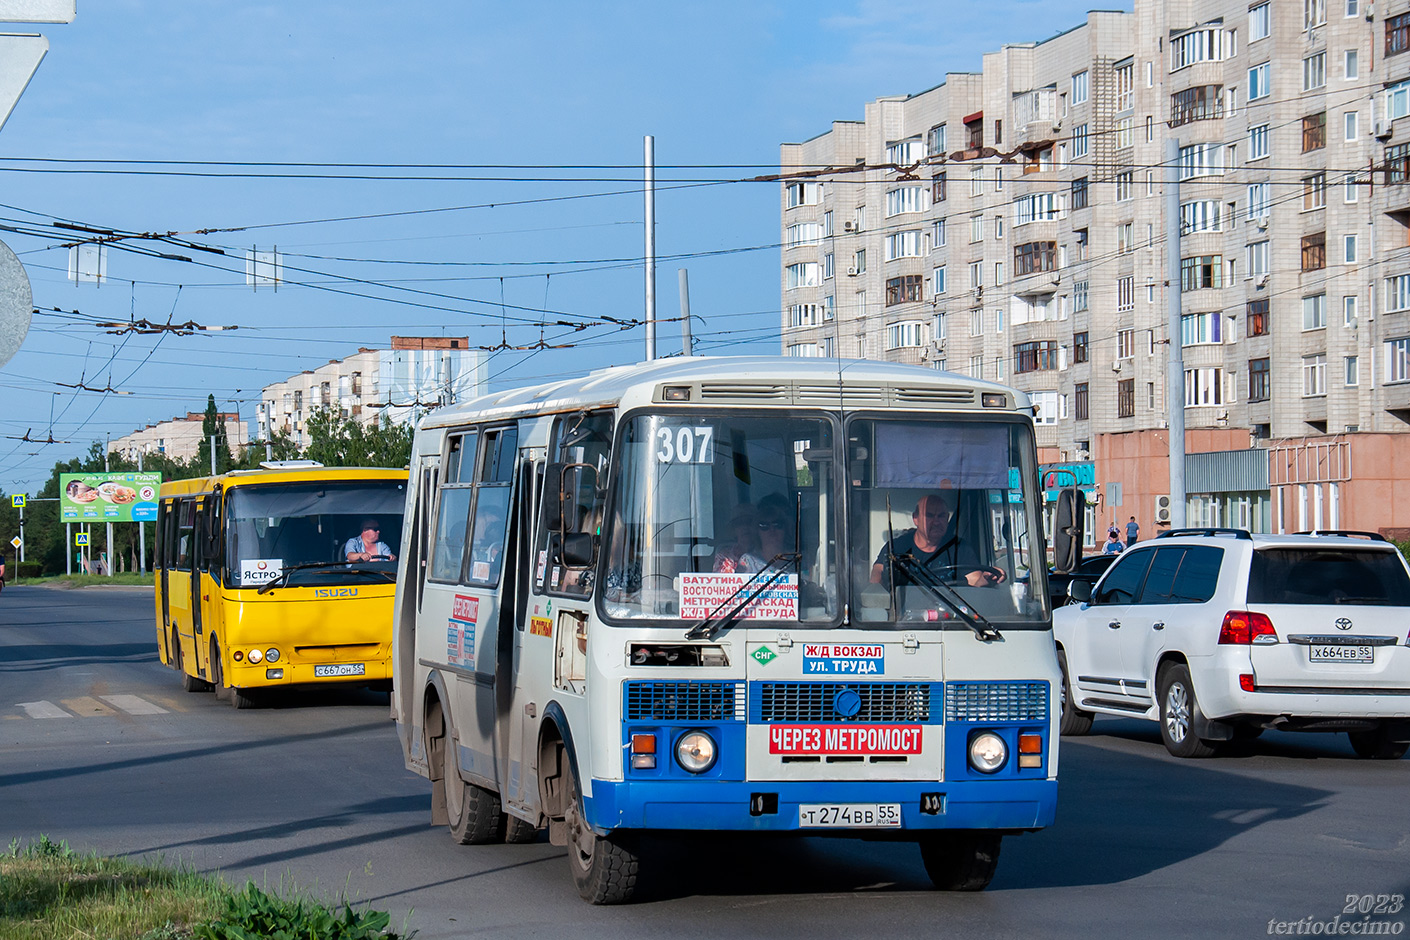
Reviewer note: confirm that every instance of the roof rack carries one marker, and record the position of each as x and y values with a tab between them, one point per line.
1349	533
1212	531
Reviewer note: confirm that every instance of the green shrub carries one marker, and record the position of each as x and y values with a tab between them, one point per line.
254	915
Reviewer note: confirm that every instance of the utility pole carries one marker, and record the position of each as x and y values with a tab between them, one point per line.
108	545
1175	363
142	531
650	185
687	344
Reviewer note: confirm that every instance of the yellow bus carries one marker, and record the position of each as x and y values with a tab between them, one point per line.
278	577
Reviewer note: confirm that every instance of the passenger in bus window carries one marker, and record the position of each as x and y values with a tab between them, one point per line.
775	529
741	553
935	545
368	546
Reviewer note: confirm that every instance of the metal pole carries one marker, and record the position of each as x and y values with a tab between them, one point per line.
212	455
68	547
1175	364
650	165
141	532
108	534
687	344
17	570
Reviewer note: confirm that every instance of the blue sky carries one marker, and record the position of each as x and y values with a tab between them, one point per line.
467	84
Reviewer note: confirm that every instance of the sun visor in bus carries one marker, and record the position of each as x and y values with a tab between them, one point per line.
944	456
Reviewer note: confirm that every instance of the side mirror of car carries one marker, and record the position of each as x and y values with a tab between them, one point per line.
1080	590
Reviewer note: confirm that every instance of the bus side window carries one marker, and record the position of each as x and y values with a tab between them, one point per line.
492	486
186	518
159	542
453	508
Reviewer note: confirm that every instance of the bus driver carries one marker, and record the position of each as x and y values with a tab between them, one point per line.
934	544
367	547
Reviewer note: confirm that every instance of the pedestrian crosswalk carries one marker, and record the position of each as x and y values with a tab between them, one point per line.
95	706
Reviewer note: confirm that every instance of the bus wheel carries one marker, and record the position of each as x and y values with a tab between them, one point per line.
217	679
475	815
519	832
243	698
604	867
188	682
960	859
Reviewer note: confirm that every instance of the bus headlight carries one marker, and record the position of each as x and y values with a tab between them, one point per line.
256	656
272	655
696	751
987	752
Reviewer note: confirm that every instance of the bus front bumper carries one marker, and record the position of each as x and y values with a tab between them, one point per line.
721	805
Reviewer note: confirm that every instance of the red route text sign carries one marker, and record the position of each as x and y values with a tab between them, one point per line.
845	739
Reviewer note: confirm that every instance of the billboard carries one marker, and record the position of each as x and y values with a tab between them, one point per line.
109	497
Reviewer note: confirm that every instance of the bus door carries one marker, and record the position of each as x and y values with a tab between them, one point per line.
211	554
194	560
165	517
176	572
519	721
416	554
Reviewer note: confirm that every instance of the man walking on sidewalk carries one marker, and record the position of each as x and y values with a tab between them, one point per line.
1133	532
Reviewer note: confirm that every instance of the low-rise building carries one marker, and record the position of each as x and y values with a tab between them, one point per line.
179	438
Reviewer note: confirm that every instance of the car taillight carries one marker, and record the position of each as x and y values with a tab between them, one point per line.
1242	627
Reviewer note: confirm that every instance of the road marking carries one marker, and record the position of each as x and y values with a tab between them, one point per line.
134	705
43	710
87	707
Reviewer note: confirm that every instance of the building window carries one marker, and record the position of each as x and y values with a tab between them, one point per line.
1080	239
1201	272
1080	294
1314	375
1200	45
904	152
1080	407
974	133
937	188
1079	193
935	140
1126	293
1256	257
1258	142
1398	360
937	233
1398	99
1201	329
1314	312
1348	310
802	194
1124	181
1125	398
907	334
938	281
1351	371
1398	163
976	275
1036	207
1348	243
1256	315
1201	103
1041	356
940	331
1259	201
1314	251
1351	65
829	266
1079	141
1204	387
1079	88
1258	82
1034	257
976	367
859	262
906	199
1314	13
1125	86
1125	238
1201	160
976	322
804	315
1398	293
1259	23
1202	216
1079	347
1314	71
803	274
904	289
1314	131
803	233
1351	125
805	350
903	245
1259	386
1314	191
1125	344
1397	34
976	229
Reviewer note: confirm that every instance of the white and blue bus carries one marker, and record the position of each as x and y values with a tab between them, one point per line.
751	594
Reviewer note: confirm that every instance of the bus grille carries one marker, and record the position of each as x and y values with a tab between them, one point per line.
684	701
996	701
773	702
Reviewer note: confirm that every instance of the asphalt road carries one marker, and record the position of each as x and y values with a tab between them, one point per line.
100	747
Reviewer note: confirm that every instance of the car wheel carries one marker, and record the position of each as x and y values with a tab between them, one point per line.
1074	721
1178	708
961	859
1377	745
604	867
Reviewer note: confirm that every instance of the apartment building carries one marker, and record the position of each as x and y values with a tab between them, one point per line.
179	438
1010	224
416	374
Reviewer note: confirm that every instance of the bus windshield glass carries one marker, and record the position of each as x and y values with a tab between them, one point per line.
276	526
705	503
943	523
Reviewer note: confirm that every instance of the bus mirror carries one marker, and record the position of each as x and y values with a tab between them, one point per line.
579	549
553	497
569	493
1070	519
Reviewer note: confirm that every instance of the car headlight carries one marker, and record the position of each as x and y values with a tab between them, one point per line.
696	751
987	752
272	655
256	656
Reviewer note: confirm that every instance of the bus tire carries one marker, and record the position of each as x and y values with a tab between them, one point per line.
519	832
188	682
604	867
961	859
474	813
1074	721
243	698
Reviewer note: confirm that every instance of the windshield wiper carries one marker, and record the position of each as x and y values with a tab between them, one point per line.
926	581
713	625
283	575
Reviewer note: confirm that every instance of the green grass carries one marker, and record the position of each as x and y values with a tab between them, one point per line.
87	580
49	892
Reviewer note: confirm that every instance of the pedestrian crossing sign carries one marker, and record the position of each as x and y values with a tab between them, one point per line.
80	539
17	500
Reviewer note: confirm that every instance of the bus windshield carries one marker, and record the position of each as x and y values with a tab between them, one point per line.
943	515
705	502
274	526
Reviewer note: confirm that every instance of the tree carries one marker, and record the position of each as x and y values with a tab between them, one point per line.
213	424
335	441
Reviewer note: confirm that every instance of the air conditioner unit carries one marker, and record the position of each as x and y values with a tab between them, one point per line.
1370	12
1082	455
1162	510
852	272
849	226
1263	223
1262	280
1382	129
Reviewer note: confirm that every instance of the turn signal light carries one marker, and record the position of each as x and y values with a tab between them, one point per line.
643	752
1242	627
1030	744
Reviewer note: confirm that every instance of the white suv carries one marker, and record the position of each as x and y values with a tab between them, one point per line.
1219	634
